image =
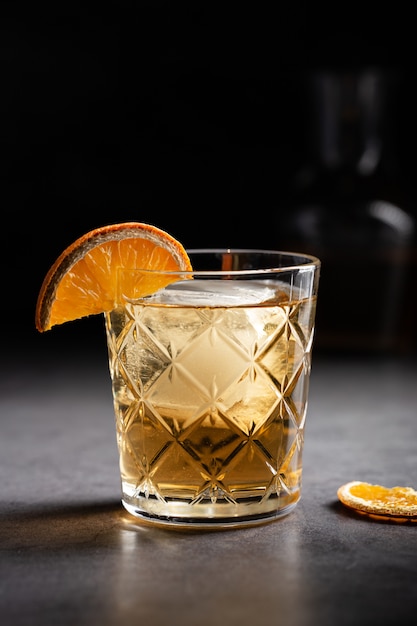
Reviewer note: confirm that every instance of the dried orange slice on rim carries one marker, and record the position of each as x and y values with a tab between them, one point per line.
394	503
83	280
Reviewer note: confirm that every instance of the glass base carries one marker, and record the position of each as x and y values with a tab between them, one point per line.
207	515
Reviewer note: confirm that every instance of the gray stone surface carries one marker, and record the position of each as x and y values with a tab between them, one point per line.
70	555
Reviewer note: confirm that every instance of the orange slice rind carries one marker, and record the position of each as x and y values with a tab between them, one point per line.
83	280
377	501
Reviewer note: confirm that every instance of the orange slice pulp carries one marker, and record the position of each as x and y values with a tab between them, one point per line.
83	280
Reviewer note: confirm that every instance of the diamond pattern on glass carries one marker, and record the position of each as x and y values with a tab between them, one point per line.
210	403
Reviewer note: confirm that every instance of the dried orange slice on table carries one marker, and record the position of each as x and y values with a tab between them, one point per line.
386	503
83	280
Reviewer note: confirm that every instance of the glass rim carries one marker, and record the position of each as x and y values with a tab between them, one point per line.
301	261
309	258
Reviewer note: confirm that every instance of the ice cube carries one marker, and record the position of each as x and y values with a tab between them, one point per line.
199	292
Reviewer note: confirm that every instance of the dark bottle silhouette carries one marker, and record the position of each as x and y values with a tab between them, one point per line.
349	207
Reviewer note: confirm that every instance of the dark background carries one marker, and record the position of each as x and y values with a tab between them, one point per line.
190	116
